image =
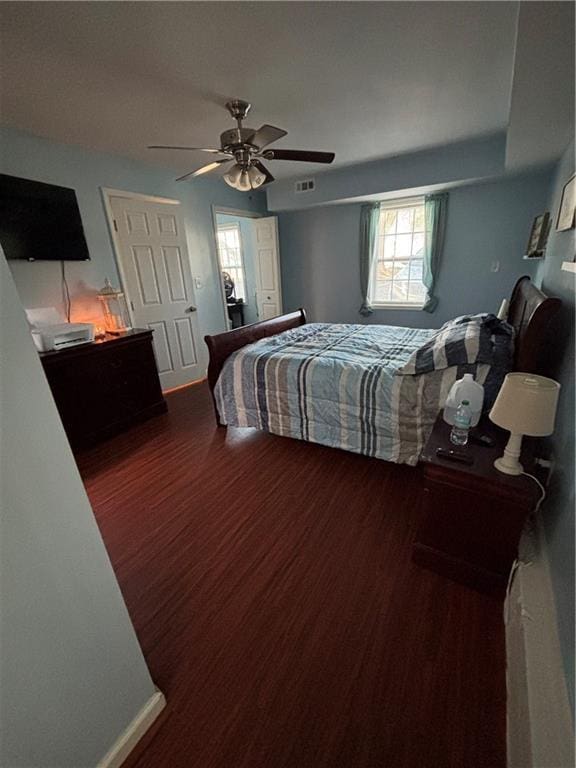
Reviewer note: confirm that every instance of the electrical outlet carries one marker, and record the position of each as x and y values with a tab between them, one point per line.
547	465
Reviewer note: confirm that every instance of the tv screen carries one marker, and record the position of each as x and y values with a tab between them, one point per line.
40	222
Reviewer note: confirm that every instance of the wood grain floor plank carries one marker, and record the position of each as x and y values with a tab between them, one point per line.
272	590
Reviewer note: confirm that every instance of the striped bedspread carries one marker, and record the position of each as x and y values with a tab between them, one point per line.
338	385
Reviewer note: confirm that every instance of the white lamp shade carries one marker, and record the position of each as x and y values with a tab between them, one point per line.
256	177
243	184
232	177
526	405
244	179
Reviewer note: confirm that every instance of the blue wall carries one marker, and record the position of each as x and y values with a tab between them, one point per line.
402	175
248	254
486	222
86	171
558	510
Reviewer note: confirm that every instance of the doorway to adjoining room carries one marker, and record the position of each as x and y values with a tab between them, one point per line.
249	266
235	239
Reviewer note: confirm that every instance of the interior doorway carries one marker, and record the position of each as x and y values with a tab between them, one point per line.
249	266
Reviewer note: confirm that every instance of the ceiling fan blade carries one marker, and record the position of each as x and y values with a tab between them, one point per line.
194	149
262	168
204	169
265	135
299	154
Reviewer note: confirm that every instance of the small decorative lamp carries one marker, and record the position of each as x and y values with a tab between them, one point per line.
526	405
115	308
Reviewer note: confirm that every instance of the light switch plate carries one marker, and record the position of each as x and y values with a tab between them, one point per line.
197	282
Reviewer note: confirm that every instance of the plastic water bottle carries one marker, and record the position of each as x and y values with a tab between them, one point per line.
462	418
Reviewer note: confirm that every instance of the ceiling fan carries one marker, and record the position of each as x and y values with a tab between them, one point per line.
246	148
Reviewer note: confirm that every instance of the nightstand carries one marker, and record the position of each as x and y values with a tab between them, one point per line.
472	515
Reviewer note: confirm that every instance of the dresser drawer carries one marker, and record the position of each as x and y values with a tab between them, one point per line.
103	388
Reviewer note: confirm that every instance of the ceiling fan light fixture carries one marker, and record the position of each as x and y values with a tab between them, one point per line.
233	176
257	178
244	184
244	179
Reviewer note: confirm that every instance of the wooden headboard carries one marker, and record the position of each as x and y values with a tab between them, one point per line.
530	312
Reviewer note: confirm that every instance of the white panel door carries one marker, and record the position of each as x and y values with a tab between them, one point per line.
157	278
267	256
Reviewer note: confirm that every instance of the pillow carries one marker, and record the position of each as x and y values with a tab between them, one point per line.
465	340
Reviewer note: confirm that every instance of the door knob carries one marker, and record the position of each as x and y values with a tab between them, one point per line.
191	309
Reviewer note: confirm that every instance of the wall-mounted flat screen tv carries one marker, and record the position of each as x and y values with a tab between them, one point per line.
40	222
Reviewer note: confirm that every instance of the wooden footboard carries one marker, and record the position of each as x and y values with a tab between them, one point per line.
222	345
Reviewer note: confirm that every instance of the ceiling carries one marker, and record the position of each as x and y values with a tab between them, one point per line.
541	119
365	80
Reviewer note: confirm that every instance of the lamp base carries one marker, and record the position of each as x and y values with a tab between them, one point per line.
508	469
508	463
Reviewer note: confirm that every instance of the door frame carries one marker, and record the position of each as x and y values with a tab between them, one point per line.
226	211
108	193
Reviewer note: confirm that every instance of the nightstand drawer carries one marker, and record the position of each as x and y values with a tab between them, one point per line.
466	527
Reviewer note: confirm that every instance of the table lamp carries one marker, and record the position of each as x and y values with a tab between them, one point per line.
526	405
115	308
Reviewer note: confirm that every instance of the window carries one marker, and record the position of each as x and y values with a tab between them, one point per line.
397	277
231	260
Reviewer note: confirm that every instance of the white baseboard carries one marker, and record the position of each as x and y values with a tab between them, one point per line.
128	739
540	731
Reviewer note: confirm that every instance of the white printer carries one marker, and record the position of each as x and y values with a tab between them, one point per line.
50	331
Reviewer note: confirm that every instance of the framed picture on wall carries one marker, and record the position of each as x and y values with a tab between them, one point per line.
538	237
567	206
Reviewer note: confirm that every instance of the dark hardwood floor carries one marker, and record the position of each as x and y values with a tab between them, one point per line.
271	586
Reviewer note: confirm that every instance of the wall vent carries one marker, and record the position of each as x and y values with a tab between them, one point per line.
304	186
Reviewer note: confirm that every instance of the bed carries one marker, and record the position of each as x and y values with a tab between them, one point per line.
374	390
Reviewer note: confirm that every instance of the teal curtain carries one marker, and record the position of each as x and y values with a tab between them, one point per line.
435	215
369	222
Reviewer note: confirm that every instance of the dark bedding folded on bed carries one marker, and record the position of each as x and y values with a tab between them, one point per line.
469	340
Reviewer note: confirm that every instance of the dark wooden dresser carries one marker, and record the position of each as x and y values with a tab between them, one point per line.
104	387
473	515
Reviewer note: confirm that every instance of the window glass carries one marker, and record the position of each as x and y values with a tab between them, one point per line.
397	278
231	259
